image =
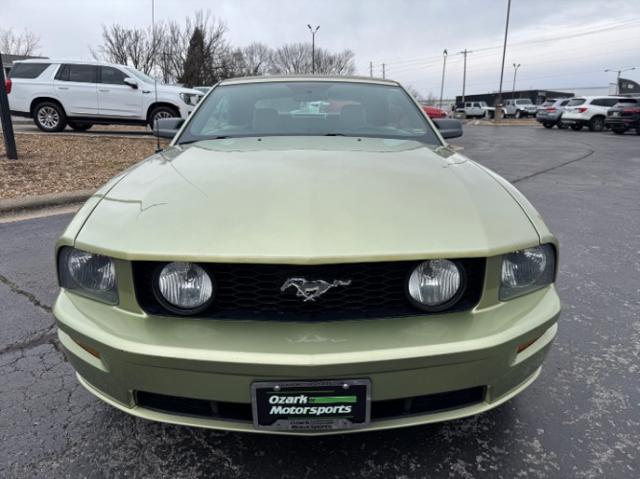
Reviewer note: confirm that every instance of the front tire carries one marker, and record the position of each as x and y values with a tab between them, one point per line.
576	127
562	126
618	131
596	124
160	112
80	126
547	124
49	117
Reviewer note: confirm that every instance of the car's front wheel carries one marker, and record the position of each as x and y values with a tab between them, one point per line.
49	117
547	124
562	126
576	126
161	112
596	123
617	130
80	126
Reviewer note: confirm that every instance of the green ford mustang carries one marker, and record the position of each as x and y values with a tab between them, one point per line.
308	256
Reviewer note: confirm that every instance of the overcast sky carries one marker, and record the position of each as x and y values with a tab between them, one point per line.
559	43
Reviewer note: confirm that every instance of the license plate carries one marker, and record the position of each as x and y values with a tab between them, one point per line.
616	113
311	405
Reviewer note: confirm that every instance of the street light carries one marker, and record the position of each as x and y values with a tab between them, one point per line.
498	114
618	77
313	47
444	66
515	72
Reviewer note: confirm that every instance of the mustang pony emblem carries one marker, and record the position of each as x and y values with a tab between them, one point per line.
310	290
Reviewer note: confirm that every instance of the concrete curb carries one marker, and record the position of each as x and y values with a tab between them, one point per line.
44	201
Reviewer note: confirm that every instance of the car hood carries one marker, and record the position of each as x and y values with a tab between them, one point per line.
174	89
306	200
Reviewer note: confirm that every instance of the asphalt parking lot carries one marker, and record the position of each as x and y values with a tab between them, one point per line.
580	419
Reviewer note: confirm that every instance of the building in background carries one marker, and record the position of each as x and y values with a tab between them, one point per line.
536	96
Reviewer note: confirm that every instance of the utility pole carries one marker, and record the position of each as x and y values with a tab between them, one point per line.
464	52
383	71
618	77
371	69
313	47
515	72
444	66
7	126
498	114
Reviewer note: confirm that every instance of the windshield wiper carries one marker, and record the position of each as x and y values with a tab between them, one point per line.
205	139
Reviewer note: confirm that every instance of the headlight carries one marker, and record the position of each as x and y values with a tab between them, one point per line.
527	270
190	98
185	288
89	274
436	284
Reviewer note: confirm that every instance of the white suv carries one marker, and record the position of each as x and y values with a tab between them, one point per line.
79	94
520	107
589	111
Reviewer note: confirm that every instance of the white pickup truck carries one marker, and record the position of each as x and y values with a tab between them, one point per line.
477	109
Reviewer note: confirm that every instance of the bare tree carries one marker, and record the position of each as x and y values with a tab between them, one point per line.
257	59
296	58
414	92
25	43
292	58
340	63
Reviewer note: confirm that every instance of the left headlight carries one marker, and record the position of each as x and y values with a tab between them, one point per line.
190	98
527	270
89	274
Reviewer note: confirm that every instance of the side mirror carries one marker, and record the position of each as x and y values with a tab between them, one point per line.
449	128
167	127
131	82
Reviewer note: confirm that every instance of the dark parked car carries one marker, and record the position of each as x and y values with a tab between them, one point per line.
550	112
625	115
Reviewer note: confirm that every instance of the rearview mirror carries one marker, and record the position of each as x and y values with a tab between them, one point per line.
131	82
167	127
448	128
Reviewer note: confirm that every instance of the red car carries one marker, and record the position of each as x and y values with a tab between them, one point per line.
434	112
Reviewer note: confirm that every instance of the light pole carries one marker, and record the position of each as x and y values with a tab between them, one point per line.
515	72
444	66
618	77
498	114
464	52
313	47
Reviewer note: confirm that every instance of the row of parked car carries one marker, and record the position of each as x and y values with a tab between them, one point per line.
593	112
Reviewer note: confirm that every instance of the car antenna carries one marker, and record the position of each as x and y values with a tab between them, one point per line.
154	126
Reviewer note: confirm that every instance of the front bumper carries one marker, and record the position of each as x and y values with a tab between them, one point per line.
217	360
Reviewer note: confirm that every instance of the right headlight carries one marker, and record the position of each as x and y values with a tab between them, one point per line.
527	270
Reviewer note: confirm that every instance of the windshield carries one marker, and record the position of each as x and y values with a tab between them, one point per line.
141	76
309	108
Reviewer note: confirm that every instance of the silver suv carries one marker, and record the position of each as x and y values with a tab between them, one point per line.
550	111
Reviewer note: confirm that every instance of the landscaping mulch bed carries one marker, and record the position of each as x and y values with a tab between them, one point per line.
58	163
